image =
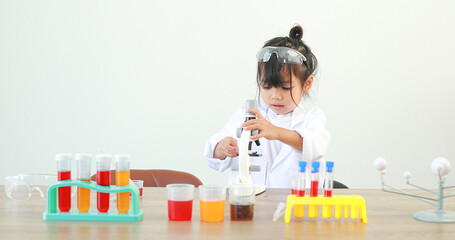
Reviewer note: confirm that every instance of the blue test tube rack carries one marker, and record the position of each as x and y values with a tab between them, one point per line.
52	213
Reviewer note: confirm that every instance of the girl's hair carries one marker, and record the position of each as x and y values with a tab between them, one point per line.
272	70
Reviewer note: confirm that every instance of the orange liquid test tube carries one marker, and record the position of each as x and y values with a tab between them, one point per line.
83	174
83	198
122	175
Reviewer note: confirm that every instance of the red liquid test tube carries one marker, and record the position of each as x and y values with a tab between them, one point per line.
314	209
301	177
314	179
328	188
328	184
64	173
103	178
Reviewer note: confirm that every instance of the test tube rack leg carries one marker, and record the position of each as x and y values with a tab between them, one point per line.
133	215
340	203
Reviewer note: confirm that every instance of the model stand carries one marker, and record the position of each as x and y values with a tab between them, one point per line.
340	203
52	212
440	167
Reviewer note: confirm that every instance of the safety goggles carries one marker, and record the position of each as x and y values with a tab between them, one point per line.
283	54
20	187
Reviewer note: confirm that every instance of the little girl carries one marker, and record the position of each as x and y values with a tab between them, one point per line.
289	130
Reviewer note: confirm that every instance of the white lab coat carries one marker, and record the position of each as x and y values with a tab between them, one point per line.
308	122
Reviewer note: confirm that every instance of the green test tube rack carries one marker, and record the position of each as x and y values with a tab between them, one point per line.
52	213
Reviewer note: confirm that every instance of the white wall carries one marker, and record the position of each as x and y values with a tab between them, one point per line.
157	78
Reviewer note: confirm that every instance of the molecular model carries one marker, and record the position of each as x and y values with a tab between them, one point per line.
441	168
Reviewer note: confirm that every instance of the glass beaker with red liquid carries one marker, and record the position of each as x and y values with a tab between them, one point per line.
241	201
180	201
84	162
64	173
103	178
140	185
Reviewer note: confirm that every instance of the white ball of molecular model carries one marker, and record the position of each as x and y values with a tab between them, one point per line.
440	166
380	164
407	175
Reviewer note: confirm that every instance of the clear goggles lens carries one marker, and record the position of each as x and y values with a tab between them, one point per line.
283	54
20	187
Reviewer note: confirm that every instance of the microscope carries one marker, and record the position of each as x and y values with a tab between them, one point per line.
245	145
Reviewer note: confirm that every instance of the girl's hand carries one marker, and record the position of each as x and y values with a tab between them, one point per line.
226	148
266	129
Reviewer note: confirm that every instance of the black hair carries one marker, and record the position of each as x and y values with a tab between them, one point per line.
272	70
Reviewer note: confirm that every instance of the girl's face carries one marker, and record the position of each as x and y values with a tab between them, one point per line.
279	98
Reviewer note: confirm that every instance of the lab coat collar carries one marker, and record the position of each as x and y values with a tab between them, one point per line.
297	114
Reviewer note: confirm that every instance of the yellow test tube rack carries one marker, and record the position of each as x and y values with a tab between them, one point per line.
338	204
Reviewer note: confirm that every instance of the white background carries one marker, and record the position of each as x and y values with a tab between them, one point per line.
156	79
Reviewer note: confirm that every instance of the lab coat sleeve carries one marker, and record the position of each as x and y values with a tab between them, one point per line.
315	136
229	130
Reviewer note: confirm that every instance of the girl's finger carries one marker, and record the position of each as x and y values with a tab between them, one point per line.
254	126
228	154
232	150
256	112
249	122
256	136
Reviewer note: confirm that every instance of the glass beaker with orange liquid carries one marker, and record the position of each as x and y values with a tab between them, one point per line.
122	178
212	201
83	174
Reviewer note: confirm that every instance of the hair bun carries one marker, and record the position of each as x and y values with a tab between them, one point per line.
296	32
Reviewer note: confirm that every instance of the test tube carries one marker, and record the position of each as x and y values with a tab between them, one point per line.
122	175
64	173
313	209
83	174
103	178
299	211
328	185
301	179
328	188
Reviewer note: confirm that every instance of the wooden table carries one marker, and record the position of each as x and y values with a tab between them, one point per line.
389	217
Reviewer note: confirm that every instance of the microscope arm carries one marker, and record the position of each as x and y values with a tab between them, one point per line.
244	158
